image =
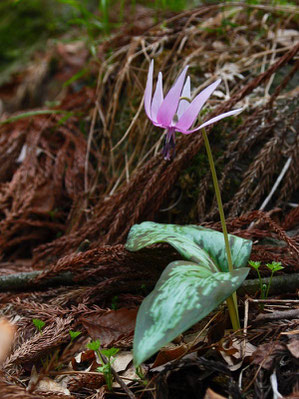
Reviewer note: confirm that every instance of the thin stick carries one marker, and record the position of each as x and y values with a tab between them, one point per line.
130	127
274	300
276	184
72	372
231	301
117	377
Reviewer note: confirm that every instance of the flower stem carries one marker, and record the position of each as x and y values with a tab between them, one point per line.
232	300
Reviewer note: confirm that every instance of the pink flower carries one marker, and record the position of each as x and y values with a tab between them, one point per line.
174	112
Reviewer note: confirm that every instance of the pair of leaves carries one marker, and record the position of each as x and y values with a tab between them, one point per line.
187	290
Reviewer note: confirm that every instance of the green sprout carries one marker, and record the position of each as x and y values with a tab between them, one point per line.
256	266
39	324
94	346
274	267
109	353
106	369
74	334
141	375
107	358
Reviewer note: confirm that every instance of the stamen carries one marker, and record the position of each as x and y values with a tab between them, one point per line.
186	98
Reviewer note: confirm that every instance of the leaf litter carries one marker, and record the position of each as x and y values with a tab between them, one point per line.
73	183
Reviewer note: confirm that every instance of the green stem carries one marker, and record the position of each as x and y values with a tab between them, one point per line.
260	280
261	288
269	285
231	301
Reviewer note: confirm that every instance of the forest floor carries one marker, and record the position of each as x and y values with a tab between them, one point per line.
80	164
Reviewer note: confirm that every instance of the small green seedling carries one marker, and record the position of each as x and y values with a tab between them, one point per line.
141	375
256	266
106	367
109	353
39	324
274	267
94	346
74	334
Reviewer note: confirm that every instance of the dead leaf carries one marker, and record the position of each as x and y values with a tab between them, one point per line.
235	351
122	360
123	364
44	199
293	346
86	361
285	37
74	54
112	326
130	374
7	333
265	354
169	353
45	384
212	395
218	45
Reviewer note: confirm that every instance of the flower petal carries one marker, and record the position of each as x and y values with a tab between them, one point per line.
194	108
170	104
184	104
213	120
148	90
158	98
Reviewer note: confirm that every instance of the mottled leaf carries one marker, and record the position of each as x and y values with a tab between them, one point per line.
185	293
195	243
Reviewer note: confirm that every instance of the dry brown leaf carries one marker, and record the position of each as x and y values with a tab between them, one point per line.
293	346
265	353
169	353
74	54
112	326
122	360
86	361
123	364
45	384
212	395
7	333
235	351
130	374
285	37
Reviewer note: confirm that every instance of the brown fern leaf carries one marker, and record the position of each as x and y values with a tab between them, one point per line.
291	183
13	391
53	335
292	219
29	203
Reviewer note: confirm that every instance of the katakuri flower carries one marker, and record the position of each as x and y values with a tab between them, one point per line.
176	112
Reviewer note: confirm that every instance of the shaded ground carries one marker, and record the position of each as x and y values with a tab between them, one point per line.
76	178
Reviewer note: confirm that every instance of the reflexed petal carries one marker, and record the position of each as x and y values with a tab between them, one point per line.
170	104
158	98
184	104
194	108
213	120
148	90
